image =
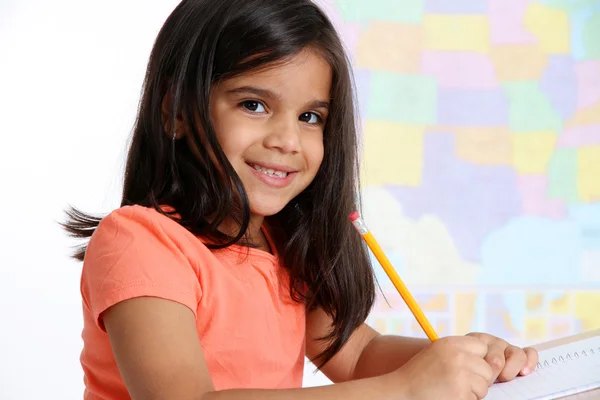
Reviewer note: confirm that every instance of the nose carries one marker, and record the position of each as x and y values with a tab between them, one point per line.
284	135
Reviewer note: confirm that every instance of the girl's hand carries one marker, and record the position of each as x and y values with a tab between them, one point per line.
507	361
451	368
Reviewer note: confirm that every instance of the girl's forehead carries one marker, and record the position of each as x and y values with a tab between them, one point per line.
307	68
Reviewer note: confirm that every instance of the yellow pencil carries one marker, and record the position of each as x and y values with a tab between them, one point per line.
361	227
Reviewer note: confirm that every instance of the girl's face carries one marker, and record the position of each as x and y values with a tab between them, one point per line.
270	125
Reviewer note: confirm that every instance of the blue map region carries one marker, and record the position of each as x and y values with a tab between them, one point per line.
533	251
587	216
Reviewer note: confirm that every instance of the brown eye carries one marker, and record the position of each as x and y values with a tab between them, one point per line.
310	118
253	106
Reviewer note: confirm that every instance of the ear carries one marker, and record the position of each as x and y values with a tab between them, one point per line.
180	129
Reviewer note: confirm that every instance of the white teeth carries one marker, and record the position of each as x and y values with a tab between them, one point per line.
270	172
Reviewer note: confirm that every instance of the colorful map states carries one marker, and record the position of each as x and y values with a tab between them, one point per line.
387	46
588	166
520	316
586	309
559	85
481	158
532	152
530	109
548	314
456	107
403	98
455	7
484	146
422	250
393	154
534	302
558	327
457	32
536	328
381	10
562	176
551	27
572	6
506	22
588	82
518	62
586	116
584	16
392	316
591	36
461	70
534	194
561	304
580	136
437	302
504	313
471	200
465	312
580	25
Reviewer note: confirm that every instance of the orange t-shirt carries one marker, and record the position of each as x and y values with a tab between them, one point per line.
251	331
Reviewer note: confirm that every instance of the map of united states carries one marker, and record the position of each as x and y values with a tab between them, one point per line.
481	163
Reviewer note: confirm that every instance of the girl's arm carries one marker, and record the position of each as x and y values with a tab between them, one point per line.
387	353
156	347
369	354
366	354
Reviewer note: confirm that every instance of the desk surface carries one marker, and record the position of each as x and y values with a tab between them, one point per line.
590	395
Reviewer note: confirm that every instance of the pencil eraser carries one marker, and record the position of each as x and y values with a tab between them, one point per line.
353	216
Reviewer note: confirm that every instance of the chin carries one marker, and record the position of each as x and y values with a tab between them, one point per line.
266	210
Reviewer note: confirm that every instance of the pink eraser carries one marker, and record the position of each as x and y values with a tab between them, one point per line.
354	216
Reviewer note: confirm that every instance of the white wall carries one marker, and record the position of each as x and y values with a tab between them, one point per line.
70	76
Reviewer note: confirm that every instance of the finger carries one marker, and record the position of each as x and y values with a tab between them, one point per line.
478	366
532	360
496	359
486	337
475	346
479	386
491	341
516	360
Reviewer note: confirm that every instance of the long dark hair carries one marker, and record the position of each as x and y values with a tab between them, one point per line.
204	41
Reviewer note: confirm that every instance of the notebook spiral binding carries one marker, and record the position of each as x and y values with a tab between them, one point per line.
568	357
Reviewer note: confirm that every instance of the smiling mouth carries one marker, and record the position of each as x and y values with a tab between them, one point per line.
270	172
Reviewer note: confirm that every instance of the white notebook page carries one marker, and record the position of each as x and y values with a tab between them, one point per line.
562	371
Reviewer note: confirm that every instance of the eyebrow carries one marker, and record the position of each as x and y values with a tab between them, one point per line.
274	96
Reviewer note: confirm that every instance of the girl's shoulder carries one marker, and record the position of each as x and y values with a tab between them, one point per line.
142	230
137	214
137	251
140	219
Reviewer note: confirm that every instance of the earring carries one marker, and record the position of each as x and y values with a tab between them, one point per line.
174	135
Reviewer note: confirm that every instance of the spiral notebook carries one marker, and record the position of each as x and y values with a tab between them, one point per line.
562	371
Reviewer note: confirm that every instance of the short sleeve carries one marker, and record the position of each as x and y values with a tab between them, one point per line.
134	252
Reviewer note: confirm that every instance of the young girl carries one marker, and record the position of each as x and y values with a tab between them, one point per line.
232	256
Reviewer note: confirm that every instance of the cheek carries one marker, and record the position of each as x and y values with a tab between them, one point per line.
228	146
315	155
231	140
